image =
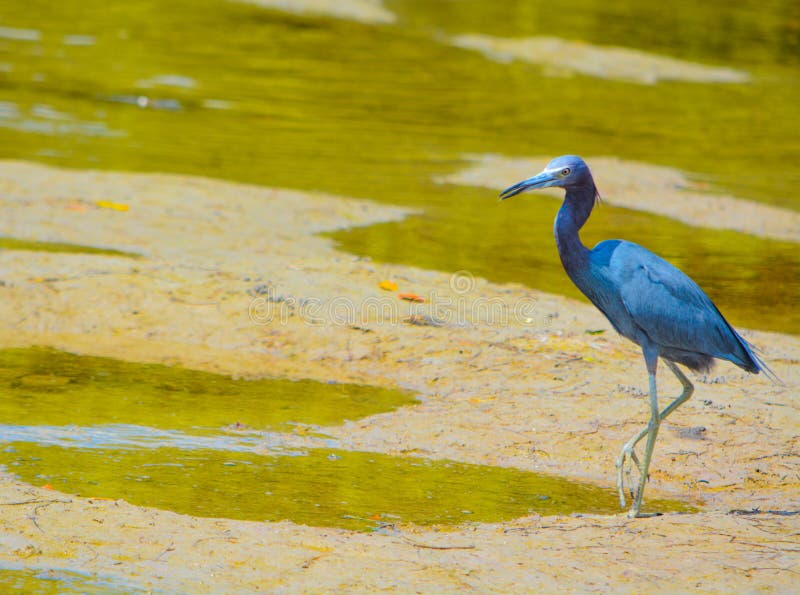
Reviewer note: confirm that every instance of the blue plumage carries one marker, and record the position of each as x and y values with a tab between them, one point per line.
648	295
646	299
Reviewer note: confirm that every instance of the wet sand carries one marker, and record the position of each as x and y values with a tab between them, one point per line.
508	376
364	11
562	57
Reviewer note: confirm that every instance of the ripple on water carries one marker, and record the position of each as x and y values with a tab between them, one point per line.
43	119
16	34
167	80
79	40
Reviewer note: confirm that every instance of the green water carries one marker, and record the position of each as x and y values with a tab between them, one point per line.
245	93
59	582
162	436
54	388
320	487
34	246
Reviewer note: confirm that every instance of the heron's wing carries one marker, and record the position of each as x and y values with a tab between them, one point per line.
671	308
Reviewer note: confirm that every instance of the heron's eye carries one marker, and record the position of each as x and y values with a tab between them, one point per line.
565	171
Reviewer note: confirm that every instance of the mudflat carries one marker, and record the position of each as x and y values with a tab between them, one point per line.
233	279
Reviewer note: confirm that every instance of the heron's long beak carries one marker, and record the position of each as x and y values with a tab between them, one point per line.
542	180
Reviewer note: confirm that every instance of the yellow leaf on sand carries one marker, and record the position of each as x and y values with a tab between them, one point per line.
116	206
388	285
476	400
317	548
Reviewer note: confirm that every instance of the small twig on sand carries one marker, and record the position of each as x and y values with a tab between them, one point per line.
436	547
169	548
214	537
41	504
22	502
310	561
756	511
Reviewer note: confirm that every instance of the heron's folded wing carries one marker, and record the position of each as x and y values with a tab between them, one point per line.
671	308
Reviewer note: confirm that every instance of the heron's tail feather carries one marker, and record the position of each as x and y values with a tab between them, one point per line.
753	351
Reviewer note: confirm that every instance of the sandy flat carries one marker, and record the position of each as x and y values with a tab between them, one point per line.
643	187
364	11
561	57
529	389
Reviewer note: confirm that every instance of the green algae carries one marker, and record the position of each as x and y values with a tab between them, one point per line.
59	247
318	487
48	387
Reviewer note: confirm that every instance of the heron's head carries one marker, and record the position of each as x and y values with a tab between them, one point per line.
567	171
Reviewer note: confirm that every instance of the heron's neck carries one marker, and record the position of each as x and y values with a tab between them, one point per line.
571	217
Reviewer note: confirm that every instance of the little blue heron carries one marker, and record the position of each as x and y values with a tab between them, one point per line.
646	300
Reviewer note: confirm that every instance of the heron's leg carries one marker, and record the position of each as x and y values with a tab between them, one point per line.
628	455
688	390
652	432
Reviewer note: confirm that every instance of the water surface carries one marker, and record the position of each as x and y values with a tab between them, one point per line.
209	445
319	487
49	387
61	582
7	243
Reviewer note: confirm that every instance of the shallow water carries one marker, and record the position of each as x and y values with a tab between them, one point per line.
208	445
319	487
59	247
50	387
241	92
60	582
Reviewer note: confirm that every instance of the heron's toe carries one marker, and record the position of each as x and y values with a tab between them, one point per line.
625	463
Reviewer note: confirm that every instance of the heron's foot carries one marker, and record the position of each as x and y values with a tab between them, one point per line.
625	463
635	514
